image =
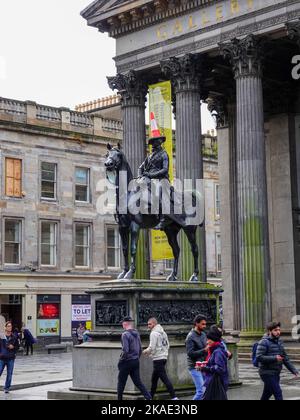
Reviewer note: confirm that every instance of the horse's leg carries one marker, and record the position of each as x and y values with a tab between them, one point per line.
190	232
172	234
135	231
124	233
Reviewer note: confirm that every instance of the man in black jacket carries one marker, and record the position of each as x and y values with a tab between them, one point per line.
271	357
9	346
196	347
129	364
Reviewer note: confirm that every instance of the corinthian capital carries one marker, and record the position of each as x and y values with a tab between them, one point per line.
293	31
131	87
245	56
184	72
218	107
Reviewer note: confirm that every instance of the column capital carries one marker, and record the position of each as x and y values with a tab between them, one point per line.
293	31
131	87
245	56
218	107
185	72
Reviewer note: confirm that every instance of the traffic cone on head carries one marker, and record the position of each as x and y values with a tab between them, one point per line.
155	132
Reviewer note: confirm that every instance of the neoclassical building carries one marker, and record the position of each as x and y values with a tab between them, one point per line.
237	56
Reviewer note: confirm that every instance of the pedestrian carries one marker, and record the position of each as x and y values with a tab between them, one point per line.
80	333
215	368
196	347
9	347
158	350
28	341
218	329
129	364
271	357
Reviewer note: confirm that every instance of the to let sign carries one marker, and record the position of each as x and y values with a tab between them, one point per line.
81	312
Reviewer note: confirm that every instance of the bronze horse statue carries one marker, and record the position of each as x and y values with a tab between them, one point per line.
130	224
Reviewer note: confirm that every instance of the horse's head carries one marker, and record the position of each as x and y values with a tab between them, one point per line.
114	158
113	162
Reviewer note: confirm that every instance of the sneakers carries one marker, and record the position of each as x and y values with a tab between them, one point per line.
6	391
175	399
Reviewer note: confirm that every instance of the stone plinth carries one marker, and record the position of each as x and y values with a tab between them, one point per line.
174	304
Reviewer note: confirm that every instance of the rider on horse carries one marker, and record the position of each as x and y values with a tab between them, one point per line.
156	166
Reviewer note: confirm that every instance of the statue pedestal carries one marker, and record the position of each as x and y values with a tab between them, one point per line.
175	305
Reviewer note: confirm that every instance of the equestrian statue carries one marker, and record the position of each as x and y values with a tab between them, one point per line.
155	167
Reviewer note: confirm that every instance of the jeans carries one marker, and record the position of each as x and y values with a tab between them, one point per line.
199	384
9	364
272	387
159	373
131	368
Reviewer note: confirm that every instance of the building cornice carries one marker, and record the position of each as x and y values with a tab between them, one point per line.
130	16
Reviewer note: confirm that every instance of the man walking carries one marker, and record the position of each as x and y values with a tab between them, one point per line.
129	364
9	346
197	350
271	357
158	350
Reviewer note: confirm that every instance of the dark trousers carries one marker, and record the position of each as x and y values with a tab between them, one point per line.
160	373
272	387
27	347
131	368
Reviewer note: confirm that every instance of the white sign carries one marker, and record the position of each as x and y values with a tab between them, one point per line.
81	313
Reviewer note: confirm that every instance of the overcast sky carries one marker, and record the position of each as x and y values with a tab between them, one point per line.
49	55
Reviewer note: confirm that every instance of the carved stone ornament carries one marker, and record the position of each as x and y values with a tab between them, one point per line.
184	72
245	56
177	312
293	31
110	313
131	87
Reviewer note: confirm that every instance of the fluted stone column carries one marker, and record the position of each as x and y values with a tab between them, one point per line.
133	91
253	234
185	74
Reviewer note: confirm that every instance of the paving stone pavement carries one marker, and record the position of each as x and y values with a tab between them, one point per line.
43	370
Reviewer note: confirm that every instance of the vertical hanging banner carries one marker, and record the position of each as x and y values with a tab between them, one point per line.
160	103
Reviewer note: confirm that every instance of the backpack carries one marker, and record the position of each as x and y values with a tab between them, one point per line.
254	353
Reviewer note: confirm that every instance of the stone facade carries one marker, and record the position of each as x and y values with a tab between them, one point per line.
33	134
225	53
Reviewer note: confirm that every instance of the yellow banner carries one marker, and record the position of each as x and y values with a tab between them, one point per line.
160	102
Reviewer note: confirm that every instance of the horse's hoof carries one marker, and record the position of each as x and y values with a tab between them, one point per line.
122	275
129	275
194	278
172	278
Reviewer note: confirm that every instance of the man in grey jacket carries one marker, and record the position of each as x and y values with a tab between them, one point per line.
158	350
271	357
129	364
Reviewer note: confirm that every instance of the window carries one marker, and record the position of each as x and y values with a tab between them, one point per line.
82	176
13	177
49	175
113	248
218	253
12	242
48	244
82	241
217	201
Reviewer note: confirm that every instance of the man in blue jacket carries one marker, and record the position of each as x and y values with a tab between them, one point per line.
129	364
271	357
9	347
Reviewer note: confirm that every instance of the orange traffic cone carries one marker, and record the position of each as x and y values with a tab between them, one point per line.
155	132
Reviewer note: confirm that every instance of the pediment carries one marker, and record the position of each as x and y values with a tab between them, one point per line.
103	7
